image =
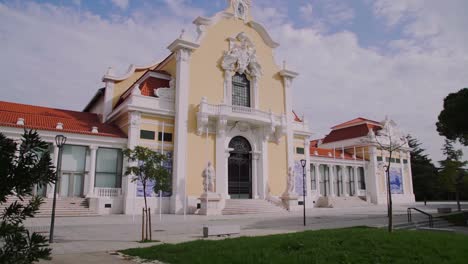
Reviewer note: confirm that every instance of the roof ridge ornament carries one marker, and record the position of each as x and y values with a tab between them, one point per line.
241	8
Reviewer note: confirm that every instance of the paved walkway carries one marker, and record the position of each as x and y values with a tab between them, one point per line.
87	235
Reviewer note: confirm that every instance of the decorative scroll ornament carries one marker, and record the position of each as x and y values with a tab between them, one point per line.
242	57
167	93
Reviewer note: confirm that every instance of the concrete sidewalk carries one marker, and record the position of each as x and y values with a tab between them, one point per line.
86	235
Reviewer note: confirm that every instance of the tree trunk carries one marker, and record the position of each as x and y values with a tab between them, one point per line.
457	194
389	196
145	210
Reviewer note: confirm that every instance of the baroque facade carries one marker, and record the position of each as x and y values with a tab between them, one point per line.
221	108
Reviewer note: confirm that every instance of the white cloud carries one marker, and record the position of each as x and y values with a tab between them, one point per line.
306	11
122	4
54	56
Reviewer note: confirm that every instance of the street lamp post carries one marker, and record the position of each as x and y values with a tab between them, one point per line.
304	163
60	141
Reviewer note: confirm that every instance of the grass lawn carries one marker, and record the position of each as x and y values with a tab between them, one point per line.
351	245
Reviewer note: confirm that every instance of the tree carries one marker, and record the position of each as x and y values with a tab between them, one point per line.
452	170
146	166
452	120
22	166
423	170
390	140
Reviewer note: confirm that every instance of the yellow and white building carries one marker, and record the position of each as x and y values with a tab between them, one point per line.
219	98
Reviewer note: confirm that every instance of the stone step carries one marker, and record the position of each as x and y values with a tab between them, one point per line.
65	207
238	207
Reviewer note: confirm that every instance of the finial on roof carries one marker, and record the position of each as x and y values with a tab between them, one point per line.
110	71
20	121
59	126
94	130
182	34
284	64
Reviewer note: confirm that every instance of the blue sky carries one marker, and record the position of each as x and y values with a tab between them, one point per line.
367	58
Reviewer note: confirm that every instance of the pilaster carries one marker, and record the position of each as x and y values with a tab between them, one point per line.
134	120
288	77
182	49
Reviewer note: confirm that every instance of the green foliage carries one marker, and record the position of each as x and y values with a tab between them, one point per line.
425	178
452	172
148	166
452	120
350	245
21	168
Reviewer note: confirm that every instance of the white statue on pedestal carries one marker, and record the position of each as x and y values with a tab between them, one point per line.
291	181
208	178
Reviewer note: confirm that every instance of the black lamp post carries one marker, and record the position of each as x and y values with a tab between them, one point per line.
60	141
304	163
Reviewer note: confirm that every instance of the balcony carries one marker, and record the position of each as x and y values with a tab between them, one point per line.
222	113
150	103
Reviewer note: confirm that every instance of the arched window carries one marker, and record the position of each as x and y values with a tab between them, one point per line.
240	90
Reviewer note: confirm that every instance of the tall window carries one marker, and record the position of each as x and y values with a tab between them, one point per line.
361	178
240	90
313	177
108	168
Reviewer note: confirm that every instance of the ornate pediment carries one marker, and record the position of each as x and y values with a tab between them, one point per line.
241	56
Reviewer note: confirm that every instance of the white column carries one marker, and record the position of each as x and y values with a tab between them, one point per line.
255	158
179	196
372	185
356	181
221	159
92	171
264	177
129	187
317	177
345	182
332	180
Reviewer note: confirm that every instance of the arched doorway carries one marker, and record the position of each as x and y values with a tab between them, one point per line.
240	169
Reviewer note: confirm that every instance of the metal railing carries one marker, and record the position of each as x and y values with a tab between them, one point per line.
410	216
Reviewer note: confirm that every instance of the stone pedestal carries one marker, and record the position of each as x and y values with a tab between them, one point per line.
290	202
210	204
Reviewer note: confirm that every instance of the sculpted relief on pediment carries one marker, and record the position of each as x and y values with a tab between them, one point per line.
241	57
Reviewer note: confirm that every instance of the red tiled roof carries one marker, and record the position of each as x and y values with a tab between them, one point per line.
355	121
325	153
350	132
43	118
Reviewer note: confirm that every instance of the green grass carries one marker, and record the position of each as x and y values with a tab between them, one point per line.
352	245
457	219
